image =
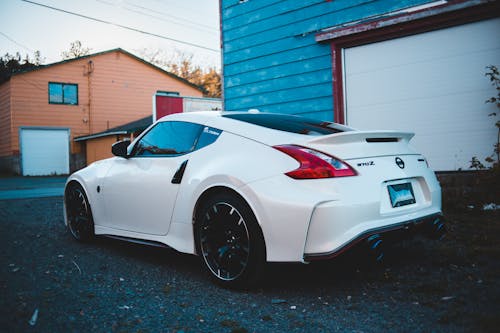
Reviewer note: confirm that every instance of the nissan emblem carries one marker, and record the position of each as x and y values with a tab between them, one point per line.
400	163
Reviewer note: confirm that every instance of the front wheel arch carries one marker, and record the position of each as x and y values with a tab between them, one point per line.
77	207
216	195
208	193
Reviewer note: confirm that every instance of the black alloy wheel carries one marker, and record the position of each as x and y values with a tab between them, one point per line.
78	213
229	241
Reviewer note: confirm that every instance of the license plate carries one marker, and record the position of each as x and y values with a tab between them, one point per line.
401	195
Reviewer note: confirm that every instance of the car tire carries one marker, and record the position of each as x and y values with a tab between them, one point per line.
229	241
78	213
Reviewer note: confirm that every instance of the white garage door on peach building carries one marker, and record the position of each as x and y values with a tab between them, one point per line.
44	151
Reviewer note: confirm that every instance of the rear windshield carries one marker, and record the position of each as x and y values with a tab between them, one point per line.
289	123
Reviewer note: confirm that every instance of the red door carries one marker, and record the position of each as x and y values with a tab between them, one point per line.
166	105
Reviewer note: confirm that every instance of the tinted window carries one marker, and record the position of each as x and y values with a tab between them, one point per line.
169	138
207	137
289	123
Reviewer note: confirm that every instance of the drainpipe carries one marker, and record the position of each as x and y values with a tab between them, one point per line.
90	70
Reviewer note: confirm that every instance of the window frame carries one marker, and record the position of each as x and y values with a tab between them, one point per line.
62	84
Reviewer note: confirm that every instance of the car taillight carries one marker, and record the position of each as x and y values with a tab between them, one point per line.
315	164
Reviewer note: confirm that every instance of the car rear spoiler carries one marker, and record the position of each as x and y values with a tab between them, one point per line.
362	137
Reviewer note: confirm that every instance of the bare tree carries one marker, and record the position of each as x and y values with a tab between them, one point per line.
181	64
76	50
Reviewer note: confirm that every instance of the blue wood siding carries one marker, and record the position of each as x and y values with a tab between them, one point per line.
271	60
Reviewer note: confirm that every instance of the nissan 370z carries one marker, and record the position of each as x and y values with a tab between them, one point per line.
242	189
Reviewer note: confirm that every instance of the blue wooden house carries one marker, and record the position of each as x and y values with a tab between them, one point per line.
414	65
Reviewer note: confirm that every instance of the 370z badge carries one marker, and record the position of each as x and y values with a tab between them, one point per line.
363	164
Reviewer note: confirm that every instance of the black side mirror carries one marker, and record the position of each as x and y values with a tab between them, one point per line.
120	148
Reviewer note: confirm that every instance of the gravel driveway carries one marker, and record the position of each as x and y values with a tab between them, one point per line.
50	283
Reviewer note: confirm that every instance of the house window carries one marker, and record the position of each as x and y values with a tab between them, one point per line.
63	93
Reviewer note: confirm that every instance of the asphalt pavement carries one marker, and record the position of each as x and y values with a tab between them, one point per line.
31	187
51	283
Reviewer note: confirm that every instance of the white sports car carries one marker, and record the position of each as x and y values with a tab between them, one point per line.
239	189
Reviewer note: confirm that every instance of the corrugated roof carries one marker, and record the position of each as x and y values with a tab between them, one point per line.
134	126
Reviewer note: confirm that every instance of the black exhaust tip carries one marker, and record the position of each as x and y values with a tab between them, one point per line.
375	246
436	229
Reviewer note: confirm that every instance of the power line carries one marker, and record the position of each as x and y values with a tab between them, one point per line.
189	24
192	23
122	26
178	4
18	44
42	59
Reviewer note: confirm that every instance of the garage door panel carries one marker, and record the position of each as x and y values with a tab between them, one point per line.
44	151
432	84
427	47
422	80
443	135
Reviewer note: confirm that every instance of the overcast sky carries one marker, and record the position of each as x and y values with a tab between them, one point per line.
26	27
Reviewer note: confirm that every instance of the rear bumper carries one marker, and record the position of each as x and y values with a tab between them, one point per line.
397	231
319	218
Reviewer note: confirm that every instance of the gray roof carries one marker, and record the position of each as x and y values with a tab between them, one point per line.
134	126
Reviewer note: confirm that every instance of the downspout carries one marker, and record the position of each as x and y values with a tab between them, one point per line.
221	56
90	70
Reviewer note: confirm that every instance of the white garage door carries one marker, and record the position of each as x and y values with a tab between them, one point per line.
44	151
432	84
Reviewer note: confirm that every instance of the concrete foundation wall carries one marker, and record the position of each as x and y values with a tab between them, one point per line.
9	165
469	189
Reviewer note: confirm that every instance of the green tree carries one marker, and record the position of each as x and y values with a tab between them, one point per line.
11	63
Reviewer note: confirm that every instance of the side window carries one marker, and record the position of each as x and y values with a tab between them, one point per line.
168	138
207	137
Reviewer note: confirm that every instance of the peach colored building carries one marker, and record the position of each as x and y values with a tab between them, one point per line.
98	145
42	110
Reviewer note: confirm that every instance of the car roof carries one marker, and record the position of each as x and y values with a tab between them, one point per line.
252	125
